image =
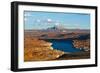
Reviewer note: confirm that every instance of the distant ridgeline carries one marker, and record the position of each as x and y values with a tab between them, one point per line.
58	33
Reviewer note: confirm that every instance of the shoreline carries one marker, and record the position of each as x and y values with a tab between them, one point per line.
81	55
41	50
75	56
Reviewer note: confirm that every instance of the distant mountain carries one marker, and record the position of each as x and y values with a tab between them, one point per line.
56	28
59	29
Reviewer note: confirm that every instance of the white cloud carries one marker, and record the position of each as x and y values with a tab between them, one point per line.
38	20
57	24
25	19
49	19
27	14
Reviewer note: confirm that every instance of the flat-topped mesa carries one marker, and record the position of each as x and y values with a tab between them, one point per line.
82	44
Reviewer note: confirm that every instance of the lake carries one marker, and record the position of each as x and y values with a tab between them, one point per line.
64	45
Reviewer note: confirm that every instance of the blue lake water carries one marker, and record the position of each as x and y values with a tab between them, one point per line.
64	45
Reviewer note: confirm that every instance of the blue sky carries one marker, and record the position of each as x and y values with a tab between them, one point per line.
44	20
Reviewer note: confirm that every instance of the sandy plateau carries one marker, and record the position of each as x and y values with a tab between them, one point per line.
39	50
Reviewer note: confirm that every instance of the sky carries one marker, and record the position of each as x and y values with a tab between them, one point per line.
44	20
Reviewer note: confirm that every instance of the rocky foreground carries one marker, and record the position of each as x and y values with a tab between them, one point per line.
39	50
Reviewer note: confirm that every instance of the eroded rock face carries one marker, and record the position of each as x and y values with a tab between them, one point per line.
82	44
39	50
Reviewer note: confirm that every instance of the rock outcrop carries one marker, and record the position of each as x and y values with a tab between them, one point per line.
82	44
39	50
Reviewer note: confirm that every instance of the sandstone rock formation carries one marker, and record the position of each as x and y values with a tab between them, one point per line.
82	44
39	50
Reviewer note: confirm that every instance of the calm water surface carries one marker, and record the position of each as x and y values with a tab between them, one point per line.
64	45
